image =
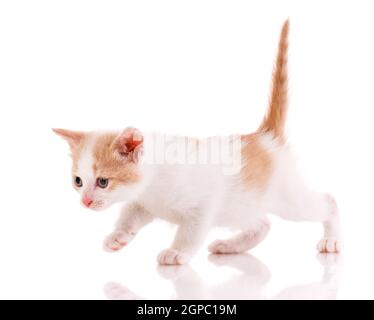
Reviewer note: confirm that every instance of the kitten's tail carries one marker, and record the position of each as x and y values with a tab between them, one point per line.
275	118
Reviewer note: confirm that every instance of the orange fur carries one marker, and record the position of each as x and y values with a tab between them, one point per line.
257	162
275	118
108	164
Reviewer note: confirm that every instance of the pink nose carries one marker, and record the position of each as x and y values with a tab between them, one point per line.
87	201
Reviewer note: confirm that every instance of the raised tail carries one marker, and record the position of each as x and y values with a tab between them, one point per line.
275	118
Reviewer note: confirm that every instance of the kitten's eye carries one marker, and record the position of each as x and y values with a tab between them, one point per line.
102	182
78	182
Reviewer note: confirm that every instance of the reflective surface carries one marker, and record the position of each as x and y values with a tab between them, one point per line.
248	284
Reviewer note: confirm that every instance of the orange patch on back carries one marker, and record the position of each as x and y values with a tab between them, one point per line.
257	162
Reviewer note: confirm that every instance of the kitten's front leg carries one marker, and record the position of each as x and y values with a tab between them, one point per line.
189	237
133	217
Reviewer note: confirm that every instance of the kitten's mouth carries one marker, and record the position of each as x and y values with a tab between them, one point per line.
97	205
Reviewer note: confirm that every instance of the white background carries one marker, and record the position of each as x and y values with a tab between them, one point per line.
187	67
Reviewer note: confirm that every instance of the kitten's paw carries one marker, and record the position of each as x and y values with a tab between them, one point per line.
329	245
172	257
116	241
222	247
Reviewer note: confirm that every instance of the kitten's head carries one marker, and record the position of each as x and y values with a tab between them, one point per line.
106	166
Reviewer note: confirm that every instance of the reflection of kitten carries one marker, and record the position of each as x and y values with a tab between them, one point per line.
248	284
110	167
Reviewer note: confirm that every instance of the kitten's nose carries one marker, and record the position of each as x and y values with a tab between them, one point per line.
87	201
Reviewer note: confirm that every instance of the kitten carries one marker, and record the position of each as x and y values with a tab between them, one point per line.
197	195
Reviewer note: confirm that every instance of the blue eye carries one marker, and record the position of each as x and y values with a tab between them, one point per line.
78	182
102	182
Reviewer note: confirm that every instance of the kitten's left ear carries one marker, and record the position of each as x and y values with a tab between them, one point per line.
74	138
129	144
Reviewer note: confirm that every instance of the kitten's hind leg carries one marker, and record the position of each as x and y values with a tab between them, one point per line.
331	242
318	207
243	241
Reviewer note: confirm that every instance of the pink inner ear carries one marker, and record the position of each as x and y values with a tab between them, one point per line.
130	139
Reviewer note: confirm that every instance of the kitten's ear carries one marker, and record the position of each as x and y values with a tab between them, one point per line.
74	138
129	144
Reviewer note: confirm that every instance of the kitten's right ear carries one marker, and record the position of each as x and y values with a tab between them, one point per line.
74	138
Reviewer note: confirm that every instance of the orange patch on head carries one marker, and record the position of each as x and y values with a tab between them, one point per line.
257	162
109	164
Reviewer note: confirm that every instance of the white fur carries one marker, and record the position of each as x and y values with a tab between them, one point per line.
197	197
84	167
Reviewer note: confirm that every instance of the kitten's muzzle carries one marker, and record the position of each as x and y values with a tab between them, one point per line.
87	201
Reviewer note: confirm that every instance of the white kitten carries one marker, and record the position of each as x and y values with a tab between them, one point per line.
223	181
